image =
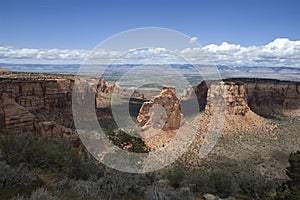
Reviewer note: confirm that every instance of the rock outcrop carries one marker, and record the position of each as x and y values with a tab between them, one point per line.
36	103
273	97
162	113
263	96
231	97
159	119
15	117
47	97
232	93
27	100
51	129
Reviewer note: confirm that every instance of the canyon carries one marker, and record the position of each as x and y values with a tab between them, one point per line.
261	116
43	103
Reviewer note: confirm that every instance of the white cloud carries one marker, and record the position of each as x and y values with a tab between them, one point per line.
26	55
193	39
280	52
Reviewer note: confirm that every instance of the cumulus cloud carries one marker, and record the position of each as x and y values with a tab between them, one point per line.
280	52
193	39
25	55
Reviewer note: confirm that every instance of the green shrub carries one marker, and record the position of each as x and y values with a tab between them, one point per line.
221	184
127	141
115	184
76	175
199	179
168	193
17	180
176	176
41	194
70	194
257	187
111	185
13	177
291	188
40	152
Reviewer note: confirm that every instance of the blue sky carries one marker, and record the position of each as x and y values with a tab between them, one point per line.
82	24
44	31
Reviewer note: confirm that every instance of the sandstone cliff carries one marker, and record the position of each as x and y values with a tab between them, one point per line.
159	119
163	112
36	103
199	92
273	97
241	104
230	99
262	96
27	99
15	117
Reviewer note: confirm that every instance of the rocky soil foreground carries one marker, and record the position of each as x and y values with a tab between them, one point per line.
261	116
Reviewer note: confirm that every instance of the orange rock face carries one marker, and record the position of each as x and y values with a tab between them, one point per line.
159	119
15	117
274	97
262	96
163	112
27	99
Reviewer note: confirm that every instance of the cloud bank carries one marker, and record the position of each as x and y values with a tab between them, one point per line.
280	52
20	56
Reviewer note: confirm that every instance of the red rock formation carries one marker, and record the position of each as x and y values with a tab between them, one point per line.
27	100
15	117
272	97
51	129
236	98
45	97
200	91
231	97
159	119
105	87
262	96
163	112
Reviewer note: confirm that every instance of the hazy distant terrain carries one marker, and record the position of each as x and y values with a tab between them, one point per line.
113	73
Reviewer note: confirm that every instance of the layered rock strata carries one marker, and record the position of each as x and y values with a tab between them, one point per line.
273	97
163	112
159	119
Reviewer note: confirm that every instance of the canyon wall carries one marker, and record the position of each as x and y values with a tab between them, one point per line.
230	95
27	100
244	104
263	96
35	98
273	97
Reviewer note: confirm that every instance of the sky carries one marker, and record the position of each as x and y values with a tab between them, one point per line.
68	29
